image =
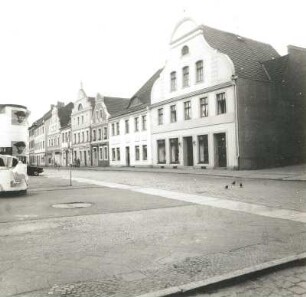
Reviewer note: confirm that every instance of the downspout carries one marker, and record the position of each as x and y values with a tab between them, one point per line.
234	79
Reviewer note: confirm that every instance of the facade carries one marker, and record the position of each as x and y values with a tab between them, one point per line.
66	146
105	107
130	130
81	118
14	136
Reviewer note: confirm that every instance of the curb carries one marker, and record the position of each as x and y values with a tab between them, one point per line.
173	291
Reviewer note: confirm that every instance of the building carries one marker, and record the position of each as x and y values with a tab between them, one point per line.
220	101
14	136
130	130
105	107
81	118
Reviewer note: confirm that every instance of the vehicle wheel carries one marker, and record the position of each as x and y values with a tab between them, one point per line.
36	173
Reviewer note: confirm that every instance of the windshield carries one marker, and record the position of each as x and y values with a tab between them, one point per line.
8	161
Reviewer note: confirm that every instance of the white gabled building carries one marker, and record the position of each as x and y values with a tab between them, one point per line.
130	130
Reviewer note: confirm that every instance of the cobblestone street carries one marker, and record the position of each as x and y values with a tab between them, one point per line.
134	240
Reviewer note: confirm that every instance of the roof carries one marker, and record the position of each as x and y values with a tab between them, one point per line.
12	105
92	101
247	55
277	68
64	114
115	104
40	121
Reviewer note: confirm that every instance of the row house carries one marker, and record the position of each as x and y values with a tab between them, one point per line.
105	107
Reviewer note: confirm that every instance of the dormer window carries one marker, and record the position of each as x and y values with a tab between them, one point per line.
185	50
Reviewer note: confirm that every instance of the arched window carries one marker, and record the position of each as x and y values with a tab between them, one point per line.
80	107
185	50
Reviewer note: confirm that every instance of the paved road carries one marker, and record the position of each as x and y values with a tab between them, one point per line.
129	242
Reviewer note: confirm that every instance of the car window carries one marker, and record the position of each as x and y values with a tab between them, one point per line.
2	163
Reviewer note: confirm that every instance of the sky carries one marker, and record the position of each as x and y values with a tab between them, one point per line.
48	47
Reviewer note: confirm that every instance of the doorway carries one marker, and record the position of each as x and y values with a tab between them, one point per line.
85	158
220	152
127	155
188	151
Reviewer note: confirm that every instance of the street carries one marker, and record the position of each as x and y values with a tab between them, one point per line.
118	233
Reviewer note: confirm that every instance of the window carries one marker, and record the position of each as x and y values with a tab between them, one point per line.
136	124
97	115
100	134
118	128
144	152
161	151
203	107
137	157
79	137
105	153
187	110
82	119
100	153
78	121
199	71
144	123
113	129
63	137
74	136
94	135
174	150
185	50
105	133
173	113
221	103
127	127
203	148
160	116
83	136
118	154
185	77
113	154
87	135
172	81
80	107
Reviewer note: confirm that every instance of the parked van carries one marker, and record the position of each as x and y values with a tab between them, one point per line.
13	175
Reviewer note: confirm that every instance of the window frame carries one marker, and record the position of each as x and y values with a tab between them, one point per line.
173	112
204	107
185	77
160	116
199	71
187	110
219	103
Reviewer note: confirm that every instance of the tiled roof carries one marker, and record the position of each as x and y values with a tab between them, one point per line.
40	121
115	105
246	54
64	114
144	93
277	67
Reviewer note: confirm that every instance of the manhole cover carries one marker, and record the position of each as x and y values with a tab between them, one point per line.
72	205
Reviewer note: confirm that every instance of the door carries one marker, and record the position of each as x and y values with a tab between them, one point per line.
220	143
188	151
85	158
95	156
127	155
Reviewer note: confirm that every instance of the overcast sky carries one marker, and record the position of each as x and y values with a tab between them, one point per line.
113	47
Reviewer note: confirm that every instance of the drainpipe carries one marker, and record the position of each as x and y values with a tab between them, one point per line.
234	79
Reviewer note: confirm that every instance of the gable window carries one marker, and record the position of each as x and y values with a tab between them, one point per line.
118	128
160	116
137	157
174	150
161	151
203	148
144	152
185	77
80	107
221	103
187	110
144	123
97	115
127	127
185	50
172	81
204	107
136	124
173	113
199	71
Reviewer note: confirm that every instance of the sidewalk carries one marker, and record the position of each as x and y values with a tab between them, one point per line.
288	173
